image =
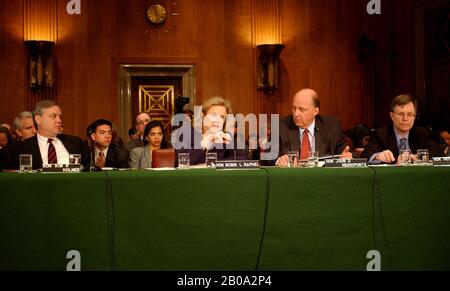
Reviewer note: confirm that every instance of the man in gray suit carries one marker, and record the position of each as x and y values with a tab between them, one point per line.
305	130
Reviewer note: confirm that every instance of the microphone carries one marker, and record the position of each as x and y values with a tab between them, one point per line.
92	166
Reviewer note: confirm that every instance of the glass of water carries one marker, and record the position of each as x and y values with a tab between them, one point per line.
404	158
75	159
293	159
422	156
211	159
313	159
183	161
25	163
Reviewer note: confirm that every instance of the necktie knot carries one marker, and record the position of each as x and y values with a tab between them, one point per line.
50	140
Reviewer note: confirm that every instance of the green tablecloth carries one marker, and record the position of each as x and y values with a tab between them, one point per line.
268	219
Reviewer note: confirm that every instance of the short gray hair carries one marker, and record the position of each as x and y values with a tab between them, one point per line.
17	123
44	104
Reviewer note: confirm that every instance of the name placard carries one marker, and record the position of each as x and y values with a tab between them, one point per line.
243	164
441	161
61	168
345	163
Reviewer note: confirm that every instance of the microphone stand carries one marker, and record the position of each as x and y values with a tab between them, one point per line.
92	166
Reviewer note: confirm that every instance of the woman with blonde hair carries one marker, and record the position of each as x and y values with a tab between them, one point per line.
215	132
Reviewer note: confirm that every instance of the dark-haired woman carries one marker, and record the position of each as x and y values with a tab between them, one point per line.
154	138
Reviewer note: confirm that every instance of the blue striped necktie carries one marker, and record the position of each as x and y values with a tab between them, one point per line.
402	145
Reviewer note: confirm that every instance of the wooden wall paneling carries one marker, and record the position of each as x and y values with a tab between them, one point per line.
13	61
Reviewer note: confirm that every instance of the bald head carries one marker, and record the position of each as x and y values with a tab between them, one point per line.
305	107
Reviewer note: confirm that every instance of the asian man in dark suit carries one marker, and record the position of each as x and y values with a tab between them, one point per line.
305	130
48	146
104	153
386	142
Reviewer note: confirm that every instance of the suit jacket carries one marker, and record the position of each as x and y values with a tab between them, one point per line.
198	156
135	143
116	157
329	138
73	144
141	158
419	138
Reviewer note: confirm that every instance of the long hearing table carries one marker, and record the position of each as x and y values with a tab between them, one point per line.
206	219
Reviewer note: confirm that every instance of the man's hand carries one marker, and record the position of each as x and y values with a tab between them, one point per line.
346	154
385	156
283	162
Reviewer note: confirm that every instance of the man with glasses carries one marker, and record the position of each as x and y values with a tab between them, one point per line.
142	119
385	143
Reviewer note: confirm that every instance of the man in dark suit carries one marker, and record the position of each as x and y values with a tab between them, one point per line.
48	146
104	153
305	130
386	142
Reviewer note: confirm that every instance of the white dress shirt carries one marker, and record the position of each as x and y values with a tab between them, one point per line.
62	155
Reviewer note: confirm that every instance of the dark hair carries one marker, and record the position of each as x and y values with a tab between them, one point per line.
149	127
357	134
403	100
99	122
132	131
7	133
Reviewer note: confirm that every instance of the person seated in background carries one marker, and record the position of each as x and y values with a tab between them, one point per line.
385	143
154	139
23	126
105	153
6	141
305	130
133	133
142	119
48	146
444	133
359	136
208	134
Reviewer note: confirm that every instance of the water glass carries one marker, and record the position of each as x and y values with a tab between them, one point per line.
292	159
25	163
313	159
183	161
211	159
422	156
75	159
404	158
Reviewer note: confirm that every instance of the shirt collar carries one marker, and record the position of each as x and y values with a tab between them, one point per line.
311	129
398	136
43	139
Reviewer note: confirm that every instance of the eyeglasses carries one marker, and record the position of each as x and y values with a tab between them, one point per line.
403	114
142	122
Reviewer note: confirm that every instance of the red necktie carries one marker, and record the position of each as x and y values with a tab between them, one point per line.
100	160
51	152
306	147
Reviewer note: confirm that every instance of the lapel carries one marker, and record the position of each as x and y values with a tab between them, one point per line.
69	147
110	156
413	140
37	159
320	136
294	136
392	141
